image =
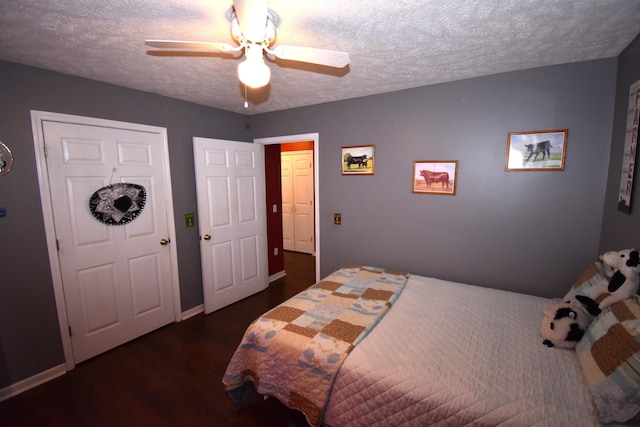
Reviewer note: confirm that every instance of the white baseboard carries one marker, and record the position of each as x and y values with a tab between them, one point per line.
278	275
193	311
31	382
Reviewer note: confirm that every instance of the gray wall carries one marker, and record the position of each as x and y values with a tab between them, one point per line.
29	334
531	232
620	230
526	231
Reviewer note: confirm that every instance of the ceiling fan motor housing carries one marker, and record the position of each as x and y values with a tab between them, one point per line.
267	39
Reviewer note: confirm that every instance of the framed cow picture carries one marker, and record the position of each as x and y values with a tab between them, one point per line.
538	150
435	177
358	160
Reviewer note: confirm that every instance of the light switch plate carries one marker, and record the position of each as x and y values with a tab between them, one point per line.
189	220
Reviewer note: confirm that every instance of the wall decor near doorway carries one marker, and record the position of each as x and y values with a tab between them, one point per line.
538	150
358	160
6	159
630	147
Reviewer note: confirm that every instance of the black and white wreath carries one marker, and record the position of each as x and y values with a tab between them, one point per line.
117	204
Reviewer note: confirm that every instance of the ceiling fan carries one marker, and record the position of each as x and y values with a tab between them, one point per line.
253	27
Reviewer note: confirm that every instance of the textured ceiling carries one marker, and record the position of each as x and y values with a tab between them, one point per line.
393	44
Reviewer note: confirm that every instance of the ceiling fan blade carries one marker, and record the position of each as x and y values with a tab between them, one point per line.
180	44
252	18
330	58
190	53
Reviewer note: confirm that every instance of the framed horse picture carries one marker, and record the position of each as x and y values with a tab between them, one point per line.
435	177
538	150
358	160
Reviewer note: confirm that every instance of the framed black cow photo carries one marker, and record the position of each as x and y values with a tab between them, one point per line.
358	160
434	177
538	150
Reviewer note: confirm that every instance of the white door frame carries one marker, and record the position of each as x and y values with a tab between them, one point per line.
37	119
315	137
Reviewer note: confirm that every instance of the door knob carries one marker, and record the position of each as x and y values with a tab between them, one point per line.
206	237
164	242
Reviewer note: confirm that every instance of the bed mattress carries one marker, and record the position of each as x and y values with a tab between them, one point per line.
452	354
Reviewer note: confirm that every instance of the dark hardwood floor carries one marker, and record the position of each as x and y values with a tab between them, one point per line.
170	377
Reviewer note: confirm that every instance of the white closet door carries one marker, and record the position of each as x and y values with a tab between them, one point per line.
297	201
117	279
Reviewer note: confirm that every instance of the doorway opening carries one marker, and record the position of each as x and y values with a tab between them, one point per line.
300	268
274	215
297	201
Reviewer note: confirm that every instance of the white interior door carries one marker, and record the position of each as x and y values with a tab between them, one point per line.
303	201
230	186
298	201
288	221
117	279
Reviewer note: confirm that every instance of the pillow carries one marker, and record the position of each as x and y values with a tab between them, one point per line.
592	277
609	354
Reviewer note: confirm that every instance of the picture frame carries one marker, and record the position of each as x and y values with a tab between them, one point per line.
358	160
435	177
538	150
629	155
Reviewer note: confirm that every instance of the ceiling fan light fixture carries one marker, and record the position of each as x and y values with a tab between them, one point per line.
253	27
253	72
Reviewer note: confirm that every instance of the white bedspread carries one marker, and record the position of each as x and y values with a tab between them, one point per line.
443	356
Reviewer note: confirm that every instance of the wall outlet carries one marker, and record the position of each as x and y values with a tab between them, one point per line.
275	208
275	251
337	218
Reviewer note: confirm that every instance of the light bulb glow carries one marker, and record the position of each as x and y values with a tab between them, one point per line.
253	72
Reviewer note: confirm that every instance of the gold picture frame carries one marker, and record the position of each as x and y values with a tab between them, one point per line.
358	160
435	177
538	150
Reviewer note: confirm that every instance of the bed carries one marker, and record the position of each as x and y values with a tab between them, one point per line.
426	351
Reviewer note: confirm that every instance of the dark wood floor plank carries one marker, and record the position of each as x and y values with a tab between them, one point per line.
170	377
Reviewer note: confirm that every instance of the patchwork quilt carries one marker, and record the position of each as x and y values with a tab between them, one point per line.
450	354
294	351
610	358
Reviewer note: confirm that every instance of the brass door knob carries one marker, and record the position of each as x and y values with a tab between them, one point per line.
164	242
206	237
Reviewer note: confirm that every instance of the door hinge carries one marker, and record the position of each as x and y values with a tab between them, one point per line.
44	148
58	245
70	333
